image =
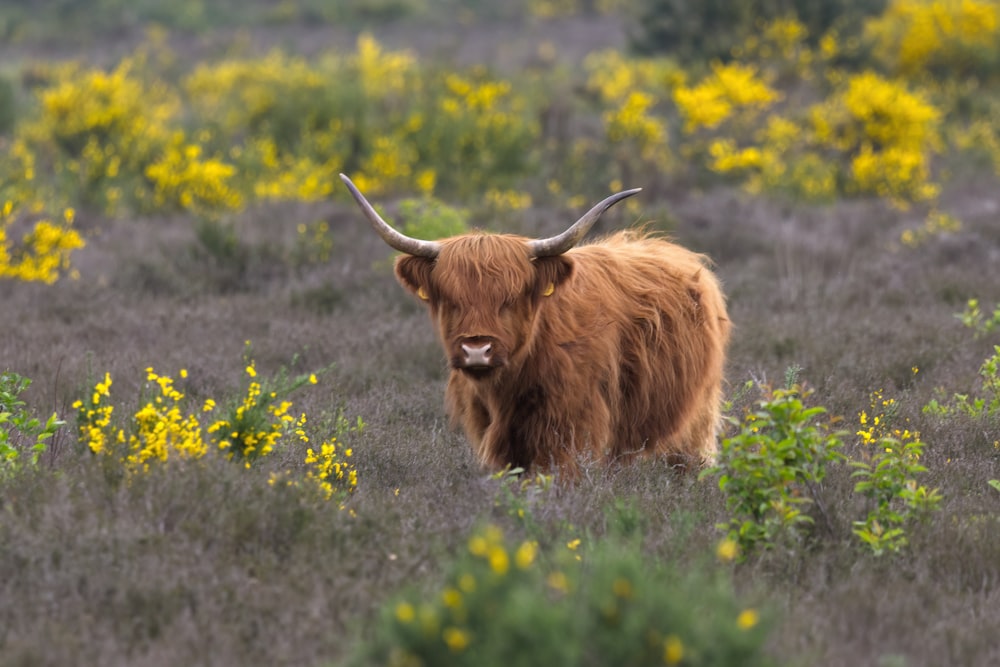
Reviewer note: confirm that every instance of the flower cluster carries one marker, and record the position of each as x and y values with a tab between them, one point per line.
183	178
869	136
99	130
887	474
94	417
876	425
889	132
954	36
730	89
632	94
44	252
258	420
168	428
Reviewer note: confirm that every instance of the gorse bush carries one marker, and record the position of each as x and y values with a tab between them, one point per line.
777	116
869	136
43	253
506	603
167	428
887	474
954	38
96	132
182	178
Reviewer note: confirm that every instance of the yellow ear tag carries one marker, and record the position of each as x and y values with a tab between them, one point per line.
422	293
549	290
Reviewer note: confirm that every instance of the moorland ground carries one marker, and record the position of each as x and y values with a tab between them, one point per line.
213	567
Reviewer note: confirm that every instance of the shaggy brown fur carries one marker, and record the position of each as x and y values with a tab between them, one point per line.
611	350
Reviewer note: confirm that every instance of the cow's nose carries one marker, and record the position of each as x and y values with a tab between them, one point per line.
477	355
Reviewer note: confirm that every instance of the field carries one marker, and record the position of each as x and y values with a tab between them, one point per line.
854	294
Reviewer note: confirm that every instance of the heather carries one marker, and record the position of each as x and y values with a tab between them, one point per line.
222	434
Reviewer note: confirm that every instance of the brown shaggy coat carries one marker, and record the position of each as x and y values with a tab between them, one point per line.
611	350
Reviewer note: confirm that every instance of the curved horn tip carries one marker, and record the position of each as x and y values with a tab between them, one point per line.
393	238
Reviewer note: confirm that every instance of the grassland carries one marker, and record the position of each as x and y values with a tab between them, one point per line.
205	562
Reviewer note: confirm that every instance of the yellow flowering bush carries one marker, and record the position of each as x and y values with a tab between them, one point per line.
99	130
616	606
168	428
631	94
731	89
889	134
949	37
257	95
184	179
612	76
869	136
980	138
478	132
887	471
43	254
282	120
632	126
19	181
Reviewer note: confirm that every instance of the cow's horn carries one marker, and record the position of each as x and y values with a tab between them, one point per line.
396	240
557	245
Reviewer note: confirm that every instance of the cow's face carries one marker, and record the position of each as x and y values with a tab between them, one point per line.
483	291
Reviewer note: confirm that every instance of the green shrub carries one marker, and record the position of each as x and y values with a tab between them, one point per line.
20	431
772	469
702	31
987	403
974	319
504	603
889	464
888	481
8	106
430	218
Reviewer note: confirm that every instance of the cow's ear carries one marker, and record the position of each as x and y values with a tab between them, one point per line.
551	273
414	273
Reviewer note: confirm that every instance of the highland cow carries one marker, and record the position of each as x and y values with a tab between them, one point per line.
562	353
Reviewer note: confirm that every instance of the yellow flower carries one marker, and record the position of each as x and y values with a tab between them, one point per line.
499	561
525	555
558	581
673	650
456	639
727	550
251	371
622	588
467	583
405	612
747	619
451	597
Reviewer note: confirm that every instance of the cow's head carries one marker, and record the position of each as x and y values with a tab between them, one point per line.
483	290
